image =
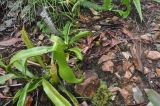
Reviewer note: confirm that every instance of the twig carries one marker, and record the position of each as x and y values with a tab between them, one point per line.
14	85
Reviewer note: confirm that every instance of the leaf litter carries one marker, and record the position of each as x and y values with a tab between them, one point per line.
125	57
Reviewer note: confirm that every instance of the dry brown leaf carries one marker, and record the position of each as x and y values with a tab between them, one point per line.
127	55
29	100
152	55
108	66
128	33
107	57
10	42
126	68
124	93
136	52
4	97
128	75
146	37
146	70
89	86
158	72
84	103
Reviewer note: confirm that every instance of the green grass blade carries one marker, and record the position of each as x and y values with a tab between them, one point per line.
6	77
22	98
153	96
54	95
138	7
66	31
30	53
78	53
25	38
33	85
18	93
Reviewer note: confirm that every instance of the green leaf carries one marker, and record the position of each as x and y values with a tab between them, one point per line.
88	4
78	53
157	1
76	5
138	7
30	53
2	64
25	38
124	13
29	44
33	85
153	96
6	77
79	36
65	72
107	4
66	31
70	95
23	94
23	69
54	95
18	93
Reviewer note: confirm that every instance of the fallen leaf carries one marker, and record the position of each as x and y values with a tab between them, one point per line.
146	70
97	27
158	72
10	42
127	55
152	55
126	68
128	75
124	93
146	37
28	101
84	103
108	66
128	33
107	57
137	95
4	97
89	86
136	52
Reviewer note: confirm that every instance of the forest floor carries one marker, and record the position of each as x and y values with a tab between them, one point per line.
124	53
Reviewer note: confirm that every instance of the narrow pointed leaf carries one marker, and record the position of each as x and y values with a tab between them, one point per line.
25	38
66	31
70	95
22	98
79	36
29	44
153	96
138	7
30	53
54	95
